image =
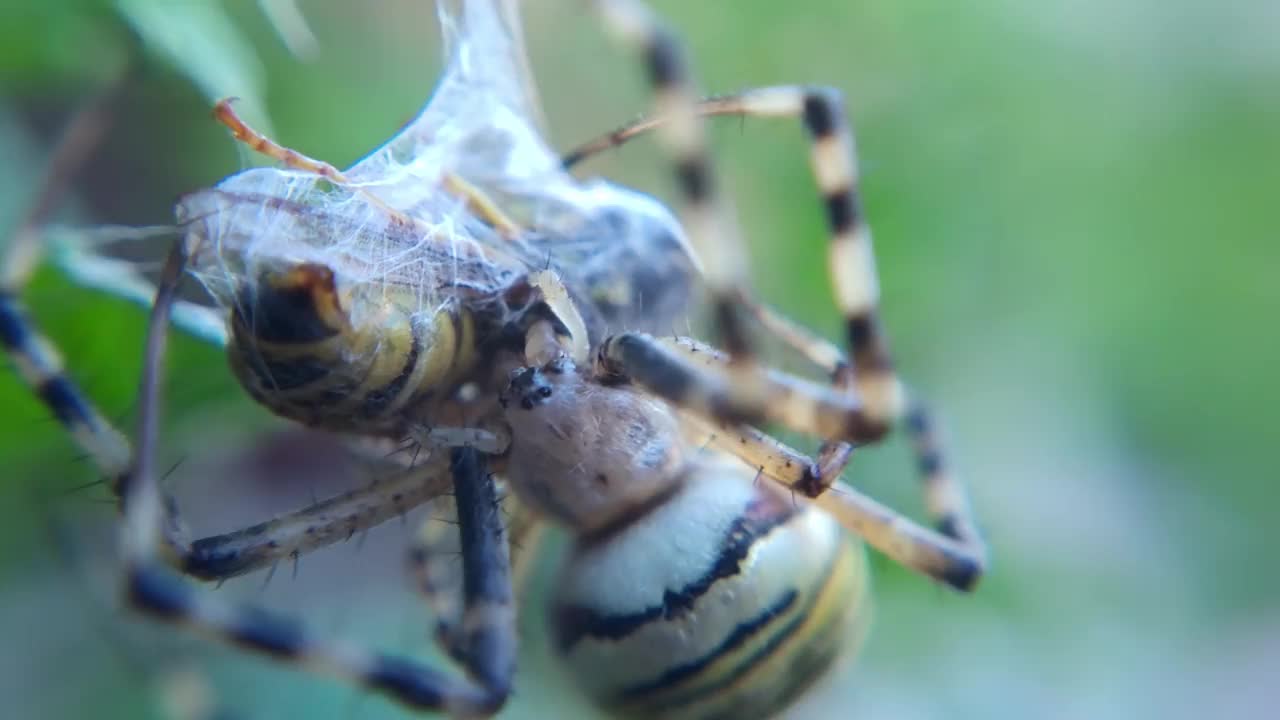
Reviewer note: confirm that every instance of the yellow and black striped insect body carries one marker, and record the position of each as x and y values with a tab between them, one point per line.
360	300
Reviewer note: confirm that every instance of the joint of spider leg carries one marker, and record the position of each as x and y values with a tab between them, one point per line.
812	482
844	213
963	572
664	58
842	374
865	430
693	174
822	116
871	350
730	324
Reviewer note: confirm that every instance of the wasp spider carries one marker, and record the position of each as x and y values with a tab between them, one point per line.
460	290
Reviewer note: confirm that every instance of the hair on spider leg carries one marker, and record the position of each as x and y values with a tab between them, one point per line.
164	476
99	482
271	573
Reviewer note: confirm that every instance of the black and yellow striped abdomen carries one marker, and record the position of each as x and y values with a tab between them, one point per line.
355	359
727	601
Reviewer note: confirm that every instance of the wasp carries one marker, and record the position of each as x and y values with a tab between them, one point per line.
461	289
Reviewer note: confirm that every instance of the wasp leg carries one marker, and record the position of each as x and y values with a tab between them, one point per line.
264	145
290	158
481	205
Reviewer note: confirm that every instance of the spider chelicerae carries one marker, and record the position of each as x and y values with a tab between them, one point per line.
459	290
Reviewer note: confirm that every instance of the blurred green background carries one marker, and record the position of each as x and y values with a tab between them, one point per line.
1075	229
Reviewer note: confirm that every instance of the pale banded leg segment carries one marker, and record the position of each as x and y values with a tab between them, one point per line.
681	132
684	372
721	252
851	260
800	405
35	358
870	378
953	554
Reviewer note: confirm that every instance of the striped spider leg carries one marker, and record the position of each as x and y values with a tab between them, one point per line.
865	398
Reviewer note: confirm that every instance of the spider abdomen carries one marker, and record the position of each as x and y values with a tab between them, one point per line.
727	600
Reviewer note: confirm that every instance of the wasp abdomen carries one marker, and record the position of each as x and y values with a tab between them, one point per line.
356	358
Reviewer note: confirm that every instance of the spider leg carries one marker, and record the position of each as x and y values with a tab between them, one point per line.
433	563
35	358
704	213
663	367
751	394
691	375
489	636
833	161
953	553
867	397
318	525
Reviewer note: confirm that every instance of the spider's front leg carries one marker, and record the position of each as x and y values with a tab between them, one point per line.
865	397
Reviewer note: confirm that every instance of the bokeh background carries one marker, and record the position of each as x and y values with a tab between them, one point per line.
1074	214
